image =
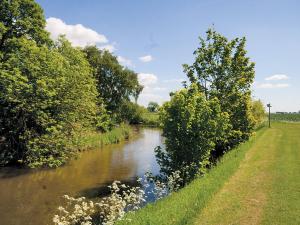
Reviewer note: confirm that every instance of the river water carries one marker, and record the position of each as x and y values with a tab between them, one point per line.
31	197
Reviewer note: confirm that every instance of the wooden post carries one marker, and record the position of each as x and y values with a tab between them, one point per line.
269	106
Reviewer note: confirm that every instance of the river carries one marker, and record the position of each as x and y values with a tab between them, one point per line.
31	197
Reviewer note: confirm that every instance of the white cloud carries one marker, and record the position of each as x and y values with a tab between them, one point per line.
159	88
176	80
77	34
146	58
269	85
147	78
124	61
277	77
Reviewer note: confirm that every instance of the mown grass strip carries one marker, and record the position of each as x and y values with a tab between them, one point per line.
183	206
283	203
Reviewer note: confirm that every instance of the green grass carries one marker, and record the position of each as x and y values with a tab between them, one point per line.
150	119
95	139
184	206
265	189
291	117
283	204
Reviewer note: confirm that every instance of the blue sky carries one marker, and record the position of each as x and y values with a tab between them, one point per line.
154	38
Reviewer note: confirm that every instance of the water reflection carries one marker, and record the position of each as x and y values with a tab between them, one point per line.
31	197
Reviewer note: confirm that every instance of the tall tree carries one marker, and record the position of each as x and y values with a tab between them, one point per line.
114	83
223	70
21	18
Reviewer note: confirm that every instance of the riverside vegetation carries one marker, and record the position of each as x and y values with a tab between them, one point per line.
205	119
56	99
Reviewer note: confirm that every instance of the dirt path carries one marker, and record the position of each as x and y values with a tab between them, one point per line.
250	191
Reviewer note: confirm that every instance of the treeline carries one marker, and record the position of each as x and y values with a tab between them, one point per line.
214	112
52	93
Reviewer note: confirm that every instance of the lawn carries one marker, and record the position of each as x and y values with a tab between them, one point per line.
256	183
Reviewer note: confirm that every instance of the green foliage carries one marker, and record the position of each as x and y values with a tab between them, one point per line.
258	112
153	107
47	96
115	83
21	18
223	71
94	139
150	119
130	112
288	117
192	125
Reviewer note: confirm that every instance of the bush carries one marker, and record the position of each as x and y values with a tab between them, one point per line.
258	112
192	125
131	112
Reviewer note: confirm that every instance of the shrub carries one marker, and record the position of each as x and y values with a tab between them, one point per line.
258	112
131	112
192	125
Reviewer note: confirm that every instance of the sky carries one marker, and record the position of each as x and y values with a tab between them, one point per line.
154	38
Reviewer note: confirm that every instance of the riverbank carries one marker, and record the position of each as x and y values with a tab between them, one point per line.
88	175
255	182
92	140
150	119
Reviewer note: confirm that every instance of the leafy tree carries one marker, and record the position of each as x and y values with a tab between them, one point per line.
192	125
223	71
47	97
115	84
153	107
21	18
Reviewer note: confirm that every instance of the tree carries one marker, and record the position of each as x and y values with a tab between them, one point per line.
115	84
131	112
223	71
47	97
191	125
21	18
153	107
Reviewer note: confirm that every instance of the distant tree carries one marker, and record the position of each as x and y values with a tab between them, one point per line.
131	112
153	107
137	91
115	83
223	71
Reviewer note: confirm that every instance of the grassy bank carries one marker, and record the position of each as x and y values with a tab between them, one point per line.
96	139
150	119
183	207
256	183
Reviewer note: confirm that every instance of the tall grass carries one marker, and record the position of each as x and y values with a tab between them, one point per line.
93	139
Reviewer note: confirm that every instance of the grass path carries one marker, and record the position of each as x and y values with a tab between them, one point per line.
266	187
